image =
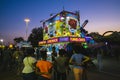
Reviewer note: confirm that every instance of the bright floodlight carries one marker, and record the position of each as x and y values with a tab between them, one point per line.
68	17
62	18
1	40
27	20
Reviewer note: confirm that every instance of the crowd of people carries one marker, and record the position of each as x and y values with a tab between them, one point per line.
32	64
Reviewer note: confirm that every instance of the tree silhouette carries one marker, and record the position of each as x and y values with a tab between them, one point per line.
96	36
18	39
36	36
113	38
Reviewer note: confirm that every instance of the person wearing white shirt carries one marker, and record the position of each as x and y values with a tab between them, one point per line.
29	65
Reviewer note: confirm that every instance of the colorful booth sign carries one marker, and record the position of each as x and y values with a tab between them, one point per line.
62	39
60	25
77	39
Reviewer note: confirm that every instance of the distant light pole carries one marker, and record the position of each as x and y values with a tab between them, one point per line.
1	40
27	20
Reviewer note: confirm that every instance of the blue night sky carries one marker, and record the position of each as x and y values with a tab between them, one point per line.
103	15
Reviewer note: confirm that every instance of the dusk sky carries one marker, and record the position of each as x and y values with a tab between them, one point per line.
103	15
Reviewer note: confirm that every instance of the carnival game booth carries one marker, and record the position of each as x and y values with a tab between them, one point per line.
62	29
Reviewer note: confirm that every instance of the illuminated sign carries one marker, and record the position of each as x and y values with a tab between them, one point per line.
77	39
52	40
63	39
60	25
42	42
88	38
